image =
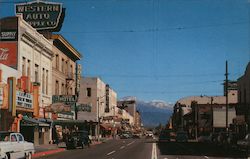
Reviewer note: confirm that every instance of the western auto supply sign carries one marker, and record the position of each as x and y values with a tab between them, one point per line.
8	54
41	15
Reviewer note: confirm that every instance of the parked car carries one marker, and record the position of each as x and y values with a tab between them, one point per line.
13	145
181	136
232	139
126	135
78	139
205	139
149	134
165	136
222	138
245	143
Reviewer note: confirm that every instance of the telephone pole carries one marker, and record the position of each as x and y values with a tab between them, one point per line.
226	93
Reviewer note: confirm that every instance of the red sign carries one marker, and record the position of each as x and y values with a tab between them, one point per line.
8	54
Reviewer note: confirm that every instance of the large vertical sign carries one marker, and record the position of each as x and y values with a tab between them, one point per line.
8	41
42	15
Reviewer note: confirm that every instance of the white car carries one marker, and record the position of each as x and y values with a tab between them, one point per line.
13	146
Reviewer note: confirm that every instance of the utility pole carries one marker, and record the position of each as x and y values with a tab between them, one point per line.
226	93
98	121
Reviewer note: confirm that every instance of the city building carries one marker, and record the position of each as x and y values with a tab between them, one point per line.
102	100
201	115
243	109
30	54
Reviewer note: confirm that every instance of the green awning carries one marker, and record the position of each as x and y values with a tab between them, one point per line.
27	121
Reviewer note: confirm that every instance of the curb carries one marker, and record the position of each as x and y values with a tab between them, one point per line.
50	152
45	153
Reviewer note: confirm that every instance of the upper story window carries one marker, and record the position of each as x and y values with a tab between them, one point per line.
57	61
24	66
62	65
36	73
57	88
88	93
28	68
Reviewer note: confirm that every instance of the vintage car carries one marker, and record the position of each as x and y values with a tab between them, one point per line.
244	144
77	139
12	145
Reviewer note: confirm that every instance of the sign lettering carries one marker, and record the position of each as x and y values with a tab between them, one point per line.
41	15
24	99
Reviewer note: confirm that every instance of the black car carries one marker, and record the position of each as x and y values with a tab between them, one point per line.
78	139
164	136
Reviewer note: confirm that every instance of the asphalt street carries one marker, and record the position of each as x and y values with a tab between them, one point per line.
149	149
112	149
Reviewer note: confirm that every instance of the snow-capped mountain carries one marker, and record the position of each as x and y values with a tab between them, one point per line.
153	112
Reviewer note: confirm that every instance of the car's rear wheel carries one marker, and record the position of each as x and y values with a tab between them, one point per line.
28	155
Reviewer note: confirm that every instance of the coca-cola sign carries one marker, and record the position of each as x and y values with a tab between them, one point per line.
8	54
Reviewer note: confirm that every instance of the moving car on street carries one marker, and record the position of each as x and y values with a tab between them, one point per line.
165	136
181	136
13	145
78	139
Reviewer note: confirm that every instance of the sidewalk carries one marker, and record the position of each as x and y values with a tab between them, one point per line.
48	149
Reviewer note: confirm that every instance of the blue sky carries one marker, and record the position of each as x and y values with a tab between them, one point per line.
158	49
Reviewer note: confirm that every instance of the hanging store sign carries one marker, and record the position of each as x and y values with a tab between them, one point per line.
42	15
64	99
24	99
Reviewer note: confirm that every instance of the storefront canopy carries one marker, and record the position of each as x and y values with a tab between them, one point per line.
27	121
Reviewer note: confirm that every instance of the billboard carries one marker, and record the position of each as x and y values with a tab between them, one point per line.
42	15
8	54
219	117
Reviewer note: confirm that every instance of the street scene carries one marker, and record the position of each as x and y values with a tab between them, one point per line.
124	79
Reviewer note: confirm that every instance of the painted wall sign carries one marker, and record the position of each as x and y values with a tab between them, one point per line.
8	54
84	107
42	15
24	99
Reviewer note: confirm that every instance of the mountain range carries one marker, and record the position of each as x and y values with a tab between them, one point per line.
153	112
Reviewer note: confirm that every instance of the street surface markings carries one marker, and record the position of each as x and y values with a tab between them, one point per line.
206	157
110	153
154	152
122	147
130	143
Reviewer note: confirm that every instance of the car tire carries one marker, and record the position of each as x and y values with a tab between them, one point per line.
28	156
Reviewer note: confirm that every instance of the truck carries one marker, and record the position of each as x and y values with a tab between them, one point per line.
13	146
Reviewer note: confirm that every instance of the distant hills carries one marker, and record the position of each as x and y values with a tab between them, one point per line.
154	112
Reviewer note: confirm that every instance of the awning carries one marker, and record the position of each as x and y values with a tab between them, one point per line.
106	126
68	122
27	121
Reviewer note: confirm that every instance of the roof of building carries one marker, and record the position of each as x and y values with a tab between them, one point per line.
62	44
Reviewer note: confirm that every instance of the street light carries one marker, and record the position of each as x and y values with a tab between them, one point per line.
98	117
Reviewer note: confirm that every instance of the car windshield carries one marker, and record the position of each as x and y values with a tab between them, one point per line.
135	79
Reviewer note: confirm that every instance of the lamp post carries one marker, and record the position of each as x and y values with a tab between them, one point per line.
98	117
